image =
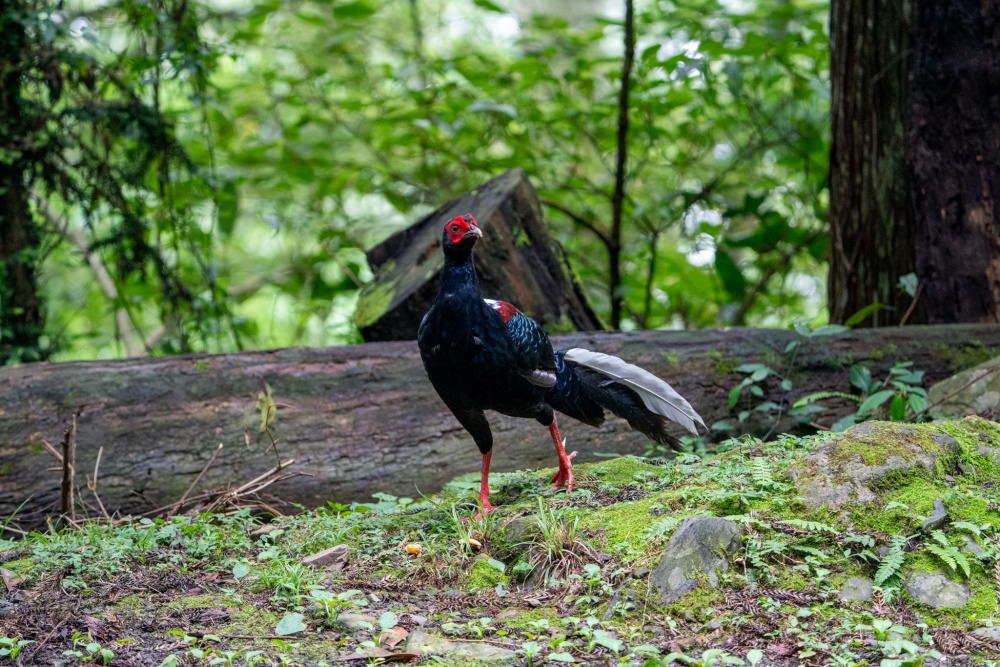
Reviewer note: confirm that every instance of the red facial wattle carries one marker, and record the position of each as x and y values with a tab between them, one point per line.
461	228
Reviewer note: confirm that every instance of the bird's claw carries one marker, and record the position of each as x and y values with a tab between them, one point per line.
564	477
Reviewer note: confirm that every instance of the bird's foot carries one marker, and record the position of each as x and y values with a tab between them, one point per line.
484	508
564	477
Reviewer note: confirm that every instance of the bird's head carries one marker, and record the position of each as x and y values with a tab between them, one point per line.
460	234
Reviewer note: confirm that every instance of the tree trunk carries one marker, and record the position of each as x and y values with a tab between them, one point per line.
364	418
915	160
955	153
20	307
518	262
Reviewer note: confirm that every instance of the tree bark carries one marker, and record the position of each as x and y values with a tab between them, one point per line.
915	160
518	262
955	153
20	306
364	418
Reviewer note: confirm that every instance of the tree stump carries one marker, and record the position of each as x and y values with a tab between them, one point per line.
517	261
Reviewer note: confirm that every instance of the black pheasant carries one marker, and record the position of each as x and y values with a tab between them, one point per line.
482	354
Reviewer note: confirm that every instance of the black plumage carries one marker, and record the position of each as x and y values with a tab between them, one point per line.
486	355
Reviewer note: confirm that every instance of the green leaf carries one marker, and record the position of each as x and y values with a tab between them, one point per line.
897	409
908	283
388	620
863	314
562	656
497	565
358	9
608	640
290	624
240	570
874	401
734	395
489	6
861	377
228	206
729	273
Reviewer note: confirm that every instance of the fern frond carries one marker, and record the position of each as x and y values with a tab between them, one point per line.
810	526
821	395
892	562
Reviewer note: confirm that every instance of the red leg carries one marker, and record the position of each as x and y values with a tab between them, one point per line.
565	475
484	487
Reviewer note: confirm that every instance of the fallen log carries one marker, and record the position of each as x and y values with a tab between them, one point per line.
364	418
517	261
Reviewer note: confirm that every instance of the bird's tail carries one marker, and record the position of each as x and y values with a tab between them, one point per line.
590	382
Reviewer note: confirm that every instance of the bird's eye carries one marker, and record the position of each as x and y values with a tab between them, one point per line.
454	229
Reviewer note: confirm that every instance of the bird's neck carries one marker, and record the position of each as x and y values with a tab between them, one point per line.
459	275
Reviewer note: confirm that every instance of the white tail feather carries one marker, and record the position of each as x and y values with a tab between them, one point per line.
658	396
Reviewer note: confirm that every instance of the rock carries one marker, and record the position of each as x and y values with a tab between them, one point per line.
334	558
974	391
856	589
699	547
850	467
424	643
991	632
936	590
974	547
354	621
416	619
938	517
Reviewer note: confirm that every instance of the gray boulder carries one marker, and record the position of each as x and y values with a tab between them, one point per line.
850	467
974	391
938	517
699	548
423	643
936	590
857	589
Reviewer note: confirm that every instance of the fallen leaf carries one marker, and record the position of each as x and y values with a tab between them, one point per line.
393	636
10	579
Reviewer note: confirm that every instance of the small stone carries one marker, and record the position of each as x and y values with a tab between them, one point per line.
334	558
417	619
991	632
700	546
938	517
856	589
353	621
640	572
424	643
936	590
974	547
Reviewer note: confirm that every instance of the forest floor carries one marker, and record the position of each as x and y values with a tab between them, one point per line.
895	563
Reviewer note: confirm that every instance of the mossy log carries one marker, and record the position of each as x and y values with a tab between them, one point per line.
517	261
364	418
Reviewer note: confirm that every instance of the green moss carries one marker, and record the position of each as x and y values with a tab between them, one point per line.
961	357
373	303
202	601
724	367
625	526
21	566
524	621
697	603
133	603
621	471
484	573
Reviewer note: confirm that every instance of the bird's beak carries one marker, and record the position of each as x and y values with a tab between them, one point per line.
473	232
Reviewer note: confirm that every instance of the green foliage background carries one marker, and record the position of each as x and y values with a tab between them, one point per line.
311	130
